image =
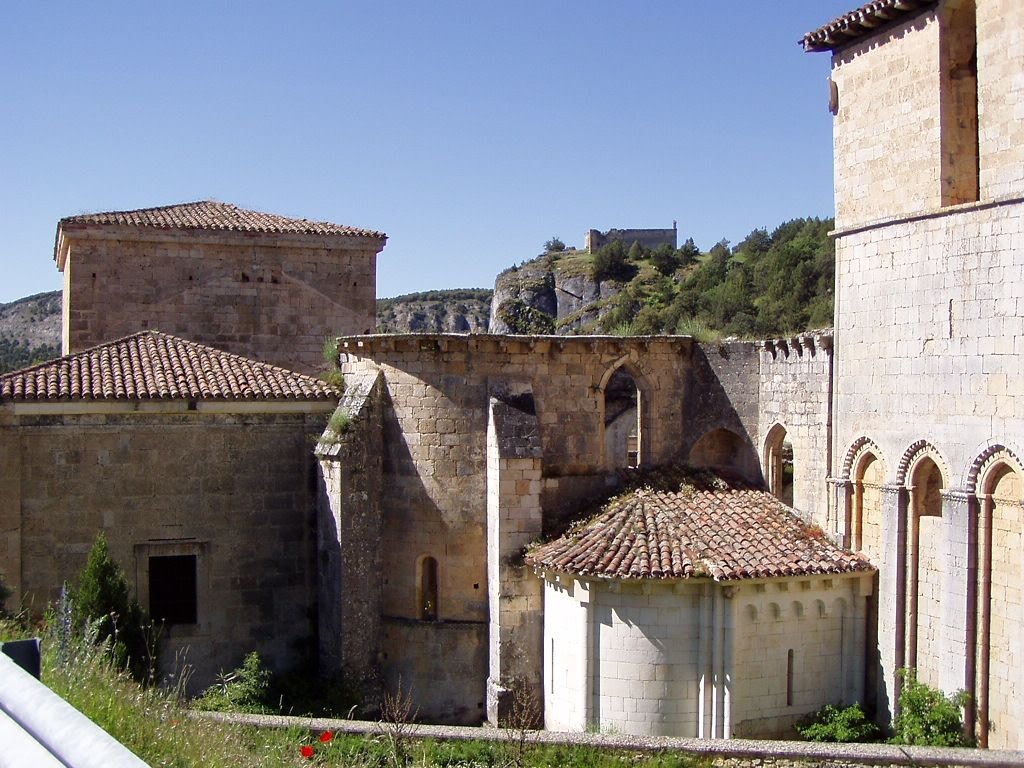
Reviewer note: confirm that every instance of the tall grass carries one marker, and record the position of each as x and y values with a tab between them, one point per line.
152	722
155	723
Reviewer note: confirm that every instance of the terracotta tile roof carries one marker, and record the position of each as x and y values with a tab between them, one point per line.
684	524
156	366
211	215
863	21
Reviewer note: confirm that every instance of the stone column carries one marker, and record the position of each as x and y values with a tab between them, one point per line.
514	593
959	581
841	511
349	535
892	591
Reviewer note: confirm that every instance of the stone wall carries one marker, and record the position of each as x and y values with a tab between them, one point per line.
235	489
796	394
887	131
271	298
350	561
698	659
723	409
436	410
798	646
648	238
1000	97
929	335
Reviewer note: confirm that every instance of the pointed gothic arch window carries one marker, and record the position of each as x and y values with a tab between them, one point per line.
623	404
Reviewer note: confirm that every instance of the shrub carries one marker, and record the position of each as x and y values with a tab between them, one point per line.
927	716
839	725
103	599
611	263
554	244
664	259
334	379
244	689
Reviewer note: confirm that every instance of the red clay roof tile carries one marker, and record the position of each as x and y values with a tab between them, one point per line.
157	366
863	21
212	215
693	525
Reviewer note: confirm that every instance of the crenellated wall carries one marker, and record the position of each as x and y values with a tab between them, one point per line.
795	406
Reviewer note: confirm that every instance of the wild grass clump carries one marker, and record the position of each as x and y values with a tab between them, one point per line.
252	688
346	750
151	721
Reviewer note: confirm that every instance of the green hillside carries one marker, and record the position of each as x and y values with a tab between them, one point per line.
770	284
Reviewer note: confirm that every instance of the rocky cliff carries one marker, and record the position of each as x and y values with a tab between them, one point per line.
450	311
29	330
551	294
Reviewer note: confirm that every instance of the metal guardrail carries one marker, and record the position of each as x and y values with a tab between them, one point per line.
39	728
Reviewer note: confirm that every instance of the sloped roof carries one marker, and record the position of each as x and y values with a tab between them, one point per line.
683	524
157	366
213	215
861	22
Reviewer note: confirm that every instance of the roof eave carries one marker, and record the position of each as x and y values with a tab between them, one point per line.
863	22
71	230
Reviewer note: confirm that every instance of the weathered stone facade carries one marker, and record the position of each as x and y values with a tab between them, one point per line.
231	484
928	398
899	435
267	293
487	443
648	238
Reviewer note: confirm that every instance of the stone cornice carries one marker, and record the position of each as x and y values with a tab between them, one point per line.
371	345
933	213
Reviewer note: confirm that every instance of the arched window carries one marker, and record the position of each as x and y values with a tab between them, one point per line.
866	535
778	464
427	592
1000	572
926	569
622	412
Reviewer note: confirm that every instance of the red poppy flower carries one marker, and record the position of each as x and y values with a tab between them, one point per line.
306	751
326	736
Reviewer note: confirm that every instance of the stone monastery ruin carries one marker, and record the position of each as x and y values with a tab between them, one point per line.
854	501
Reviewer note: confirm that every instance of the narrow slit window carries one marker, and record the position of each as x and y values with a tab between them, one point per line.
789	678
428	589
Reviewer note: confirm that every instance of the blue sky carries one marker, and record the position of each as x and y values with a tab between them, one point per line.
469	132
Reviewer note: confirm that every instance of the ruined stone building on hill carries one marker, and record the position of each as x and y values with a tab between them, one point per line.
494	513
